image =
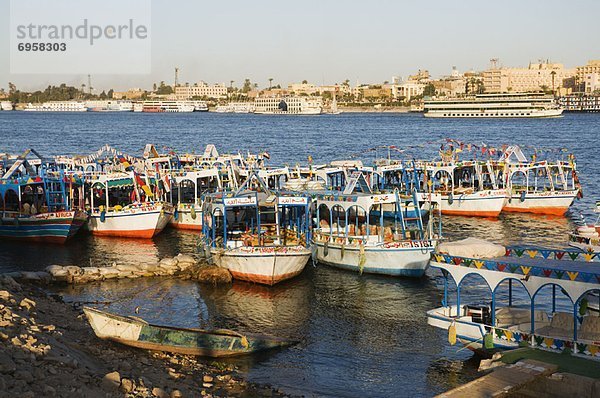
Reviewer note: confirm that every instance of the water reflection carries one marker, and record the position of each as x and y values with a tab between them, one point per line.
512	229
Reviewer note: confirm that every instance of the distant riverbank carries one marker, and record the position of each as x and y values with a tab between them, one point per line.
374	109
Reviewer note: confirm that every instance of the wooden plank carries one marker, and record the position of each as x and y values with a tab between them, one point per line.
503	380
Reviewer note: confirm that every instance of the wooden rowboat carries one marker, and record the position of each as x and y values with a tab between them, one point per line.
136	332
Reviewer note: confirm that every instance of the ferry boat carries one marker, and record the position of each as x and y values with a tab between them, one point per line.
199	106
485	328
288	105
586	237
511	105
539	187
39	207
109	106
236	107
257	234
167	106
350	237
466	188
187	189
57	106
123	205
6	106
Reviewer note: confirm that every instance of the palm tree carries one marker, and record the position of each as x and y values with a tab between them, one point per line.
270	82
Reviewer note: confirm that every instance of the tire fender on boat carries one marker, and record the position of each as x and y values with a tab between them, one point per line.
523	195
450	198
193	213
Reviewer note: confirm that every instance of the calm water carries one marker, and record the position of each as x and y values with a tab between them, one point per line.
359	335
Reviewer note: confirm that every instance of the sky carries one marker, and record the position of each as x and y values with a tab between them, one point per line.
326	41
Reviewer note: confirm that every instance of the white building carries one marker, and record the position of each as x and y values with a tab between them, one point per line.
201	89
592	82
407	90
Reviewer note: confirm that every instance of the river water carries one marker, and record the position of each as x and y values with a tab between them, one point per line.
358	335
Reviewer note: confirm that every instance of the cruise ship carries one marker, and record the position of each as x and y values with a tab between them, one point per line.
6	106
57	106
167	106
109	106
511	105
236	107
288	105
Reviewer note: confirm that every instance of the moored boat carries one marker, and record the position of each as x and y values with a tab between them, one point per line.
539	187
484	327
136	332
123	205
586	237
258	235
350	236
39	207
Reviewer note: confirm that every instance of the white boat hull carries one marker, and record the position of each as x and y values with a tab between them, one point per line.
469	333
410	258
143	222
186	219
486	203
546	202
265	265
505	113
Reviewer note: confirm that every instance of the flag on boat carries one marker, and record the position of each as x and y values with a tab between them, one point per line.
125	163
266	155
166	182
142	184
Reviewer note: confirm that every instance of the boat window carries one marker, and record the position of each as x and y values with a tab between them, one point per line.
11	201
186	192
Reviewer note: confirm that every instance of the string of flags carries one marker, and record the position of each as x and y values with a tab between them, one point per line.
456	146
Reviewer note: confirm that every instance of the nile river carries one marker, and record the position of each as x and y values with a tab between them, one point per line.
359	335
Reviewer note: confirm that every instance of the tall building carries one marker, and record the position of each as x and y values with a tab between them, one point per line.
587	76
201	89
591	83
536	77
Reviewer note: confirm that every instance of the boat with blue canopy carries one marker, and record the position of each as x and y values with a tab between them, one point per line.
545	276
258	234
38	201
352	232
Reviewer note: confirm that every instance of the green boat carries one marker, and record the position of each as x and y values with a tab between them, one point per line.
136	332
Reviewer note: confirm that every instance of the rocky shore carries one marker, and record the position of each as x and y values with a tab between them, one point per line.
48	349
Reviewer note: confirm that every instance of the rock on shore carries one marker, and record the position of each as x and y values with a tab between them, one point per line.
48	349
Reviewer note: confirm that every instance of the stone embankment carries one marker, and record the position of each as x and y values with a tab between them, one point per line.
48	349
181	266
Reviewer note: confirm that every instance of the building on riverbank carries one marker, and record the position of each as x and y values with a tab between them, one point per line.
536	77
201	89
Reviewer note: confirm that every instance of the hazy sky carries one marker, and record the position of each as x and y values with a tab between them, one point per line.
326	41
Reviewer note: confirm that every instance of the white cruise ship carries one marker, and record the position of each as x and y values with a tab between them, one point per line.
512	105
109	106
236	107
167	106
6	106
57	106
288	105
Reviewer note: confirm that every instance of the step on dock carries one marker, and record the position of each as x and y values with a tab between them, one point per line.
503	380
